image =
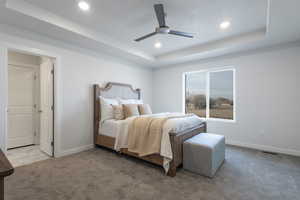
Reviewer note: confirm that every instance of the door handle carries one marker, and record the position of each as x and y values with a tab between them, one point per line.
40	111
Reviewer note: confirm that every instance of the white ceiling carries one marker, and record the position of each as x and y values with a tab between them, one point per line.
112	26
129	19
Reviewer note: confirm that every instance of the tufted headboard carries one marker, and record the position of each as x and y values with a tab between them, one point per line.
111	90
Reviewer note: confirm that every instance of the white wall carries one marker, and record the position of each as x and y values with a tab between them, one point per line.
21	58
3	97
79	73
266	82
267	98
76	74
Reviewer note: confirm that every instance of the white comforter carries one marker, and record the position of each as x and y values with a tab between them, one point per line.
172	125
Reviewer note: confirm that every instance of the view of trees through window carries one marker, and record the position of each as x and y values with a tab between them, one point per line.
195	91
218	85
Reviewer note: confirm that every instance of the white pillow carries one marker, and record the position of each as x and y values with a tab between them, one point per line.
130	101
107	111
145	109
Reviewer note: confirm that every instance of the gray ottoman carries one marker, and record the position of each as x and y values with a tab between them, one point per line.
204	153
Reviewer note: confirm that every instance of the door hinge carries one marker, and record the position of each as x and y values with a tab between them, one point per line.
52	71
52	108
52	143
34	106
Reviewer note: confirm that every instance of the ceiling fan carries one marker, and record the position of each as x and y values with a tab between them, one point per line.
163	28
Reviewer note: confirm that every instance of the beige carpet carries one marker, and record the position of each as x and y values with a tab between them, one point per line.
101	174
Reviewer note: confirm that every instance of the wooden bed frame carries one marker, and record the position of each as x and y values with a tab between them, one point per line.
125	91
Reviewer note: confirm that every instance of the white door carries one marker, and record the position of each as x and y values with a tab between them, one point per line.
46	106
21	106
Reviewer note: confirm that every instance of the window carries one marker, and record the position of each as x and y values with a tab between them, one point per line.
210	94
195	90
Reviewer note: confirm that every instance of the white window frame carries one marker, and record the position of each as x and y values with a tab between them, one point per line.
208	72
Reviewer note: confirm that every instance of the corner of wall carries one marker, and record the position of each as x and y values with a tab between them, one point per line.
3	97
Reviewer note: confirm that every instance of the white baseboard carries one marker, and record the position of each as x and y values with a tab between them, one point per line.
264	148
74	150
229	142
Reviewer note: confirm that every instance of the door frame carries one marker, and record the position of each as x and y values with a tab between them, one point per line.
4	48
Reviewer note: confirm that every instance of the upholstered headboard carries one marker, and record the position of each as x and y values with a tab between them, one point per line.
111	90
119	90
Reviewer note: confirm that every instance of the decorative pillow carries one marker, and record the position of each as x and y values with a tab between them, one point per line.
118	112
145	109
107	111
130	110
131	101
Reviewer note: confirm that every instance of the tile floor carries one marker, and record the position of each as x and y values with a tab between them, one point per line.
26	155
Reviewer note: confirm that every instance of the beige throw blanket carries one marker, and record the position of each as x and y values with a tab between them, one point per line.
145	134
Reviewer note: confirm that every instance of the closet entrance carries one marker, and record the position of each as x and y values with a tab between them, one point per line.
30	108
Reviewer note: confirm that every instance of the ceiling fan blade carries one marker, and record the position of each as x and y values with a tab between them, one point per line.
144	37
179	33
160	14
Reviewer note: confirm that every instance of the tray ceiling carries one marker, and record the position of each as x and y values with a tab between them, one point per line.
126	20
113	25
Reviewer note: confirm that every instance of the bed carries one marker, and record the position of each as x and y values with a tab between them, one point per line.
106	136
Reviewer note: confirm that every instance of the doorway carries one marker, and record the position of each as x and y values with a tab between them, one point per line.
30	113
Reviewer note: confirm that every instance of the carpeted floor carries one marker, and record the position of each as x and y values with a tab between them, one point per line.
101	174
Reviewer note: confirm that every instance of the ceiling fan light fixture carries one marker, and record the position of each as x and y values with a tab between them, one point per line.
162	28
157	45
224	25
83	5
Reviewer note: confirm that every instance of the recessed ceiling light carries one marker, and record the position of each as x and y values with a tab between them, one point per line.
225	25
157	45
83	5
